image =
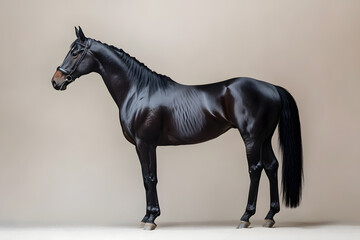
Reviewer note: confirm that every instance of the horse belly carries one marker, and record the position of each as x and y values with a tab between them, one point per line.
193	116
192	127
181	138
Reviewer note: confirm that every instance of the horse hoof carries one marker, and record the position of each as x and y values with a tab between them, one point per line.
142	224
269	223
243	224
149	226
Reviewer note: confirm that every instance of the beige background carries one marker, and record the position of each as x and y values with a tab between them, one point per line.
63	159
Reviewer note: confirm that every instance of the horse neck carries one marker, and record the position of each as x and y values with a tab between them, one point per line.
113	71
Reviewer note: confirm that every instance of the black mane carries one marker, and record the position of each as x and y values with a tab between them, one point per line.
144	76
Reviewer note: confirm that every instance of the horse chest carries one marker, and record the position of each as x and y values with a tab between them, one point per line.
140	122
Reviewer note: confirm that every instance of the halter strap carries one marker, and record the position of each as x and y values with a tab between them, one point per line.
68	73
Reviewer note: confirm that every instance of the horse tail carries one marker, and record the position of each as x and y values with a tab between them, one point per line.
291	147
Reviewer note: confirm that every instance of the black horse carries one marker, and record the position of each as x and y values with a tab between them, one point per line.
157	111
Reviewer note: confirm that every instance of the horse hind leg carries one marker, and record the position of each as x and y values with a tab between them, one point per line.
271	166
253	152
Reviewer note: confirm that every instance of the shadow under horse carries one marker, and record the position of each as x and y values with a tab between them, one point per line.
157	111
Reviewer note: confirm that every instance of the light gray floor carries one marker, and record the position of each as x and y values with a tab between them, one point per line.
221	231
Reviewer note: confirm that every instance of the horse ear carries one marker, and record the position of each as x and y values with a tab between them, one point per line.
77	32
81	35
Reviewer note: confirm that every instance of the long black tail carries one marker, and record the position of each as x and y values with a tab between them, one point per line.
290	144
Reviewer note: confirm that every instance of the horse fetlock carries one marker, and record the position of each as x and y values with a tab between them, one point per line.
275	207
250	209
247	215
145	218
155	211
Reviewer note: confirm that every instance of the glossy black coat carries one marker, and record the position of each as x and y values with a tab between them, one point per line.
157	111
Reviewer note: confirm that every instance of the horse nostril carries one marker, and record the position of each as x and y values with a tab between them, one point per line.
53	83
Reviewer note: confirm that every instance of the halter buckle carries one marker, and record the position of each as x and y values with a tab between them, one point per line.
69	78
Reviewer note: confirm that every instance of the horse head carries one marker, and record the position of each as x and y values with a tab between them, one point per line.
79	61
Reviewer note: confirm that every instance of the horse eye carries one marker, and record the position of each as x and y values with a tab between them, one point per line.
74	53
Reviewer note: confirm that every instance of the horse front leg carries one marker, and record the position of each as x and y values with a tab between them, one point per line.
147	157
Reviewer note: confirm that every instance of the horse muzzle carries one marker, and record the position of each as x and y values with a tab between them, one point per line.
59	80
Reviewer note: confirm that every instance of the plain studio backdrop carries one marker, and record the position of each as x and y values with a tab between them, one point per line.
64	160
